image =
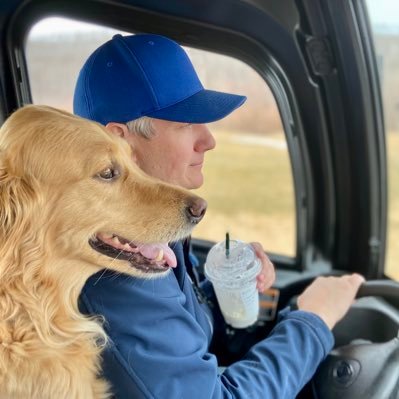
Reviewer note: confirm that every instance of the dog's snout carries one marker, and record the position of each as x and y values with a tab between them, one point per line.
196	208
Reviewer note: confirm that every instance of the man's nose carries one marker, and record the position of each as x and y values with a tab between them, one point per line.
206	141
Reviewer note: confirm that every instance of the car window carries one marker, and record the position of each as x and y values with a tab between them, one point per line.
248	179
384	17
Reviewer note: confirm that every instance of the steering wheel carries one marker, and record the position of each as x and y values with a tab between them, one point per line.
362	368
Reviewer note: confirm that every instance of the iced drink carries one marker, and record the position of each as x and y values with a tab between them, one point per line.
233	275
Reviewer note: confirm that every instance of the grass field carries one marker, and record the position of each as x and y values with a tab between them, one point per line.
392	259
250	194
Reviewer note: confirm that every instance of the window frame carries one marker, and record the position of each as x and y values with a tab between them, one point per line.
269	70
282	64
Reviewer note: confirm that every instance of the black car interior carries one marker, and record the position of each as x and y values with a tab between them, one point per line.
317	57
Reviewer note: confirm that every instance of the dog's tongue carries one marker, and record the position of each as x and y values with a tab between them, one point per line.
151	251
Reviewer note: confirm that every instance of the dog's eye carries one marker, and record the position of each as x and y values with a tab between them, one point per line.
109	174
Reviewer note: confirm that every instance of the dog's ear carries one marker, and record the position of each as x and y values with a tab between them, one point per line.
19	207
18	200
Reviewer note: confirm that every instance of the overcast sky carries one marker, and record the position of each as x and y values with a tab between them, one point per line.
384	12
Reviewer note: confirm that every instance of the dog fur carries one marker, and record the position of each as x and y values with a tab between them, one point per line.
52	202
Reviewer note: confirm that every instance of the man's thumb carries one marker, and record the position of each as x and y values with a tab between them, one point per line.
356	280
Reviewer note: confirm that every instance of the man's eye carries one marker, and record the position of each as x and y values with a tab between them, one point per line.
109	174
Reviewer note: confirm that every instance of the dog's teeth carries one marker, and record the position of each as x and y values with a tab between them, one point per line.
160	255
107	235
127	247
115	240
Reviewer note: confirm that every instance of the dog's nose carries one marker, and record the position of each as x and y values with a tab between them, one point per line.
196	208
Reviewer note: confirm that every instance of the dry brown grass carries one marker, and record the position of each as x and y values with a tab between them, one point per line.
249	190
392	257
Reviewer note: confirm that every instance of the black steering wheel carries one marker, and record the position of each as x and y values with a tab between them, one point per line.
387	289
361	368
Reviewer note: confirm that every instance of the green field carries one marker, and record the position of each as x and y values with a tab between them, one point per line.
250	194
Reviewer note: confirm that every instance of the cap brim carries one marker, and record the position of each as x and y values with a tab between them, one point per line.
203	107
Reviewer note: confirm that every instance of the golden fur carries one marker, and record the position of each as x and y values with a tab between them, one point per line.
51	204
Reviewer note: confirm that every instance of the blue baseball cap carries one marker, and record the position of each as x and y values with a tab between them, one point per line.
146	75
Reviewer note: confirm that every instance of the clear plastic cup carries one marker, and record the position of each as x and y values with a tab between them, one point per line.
234	280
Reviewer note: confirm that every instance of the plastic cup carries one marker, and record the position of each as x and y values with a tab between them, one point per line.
234	280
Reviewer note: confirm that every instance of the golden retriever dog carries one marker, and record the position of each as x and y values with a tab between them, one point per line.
72	202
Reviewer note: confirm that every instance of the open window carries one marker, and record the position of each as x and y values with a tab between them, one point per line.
248	178
384	19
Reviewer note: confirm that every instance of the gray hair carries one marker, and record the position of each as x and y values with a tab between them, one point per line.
141	126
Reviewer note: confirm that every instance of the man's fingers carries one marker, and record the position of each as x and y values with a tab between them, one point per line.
260	253
267	275
270	275
356	280
331	297
258	250
261	277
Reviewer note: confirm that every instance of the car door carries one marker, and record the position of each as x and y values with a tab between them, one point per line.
317	60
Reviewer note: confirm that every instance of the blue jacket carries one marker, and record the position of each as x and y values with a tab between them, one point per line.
160	334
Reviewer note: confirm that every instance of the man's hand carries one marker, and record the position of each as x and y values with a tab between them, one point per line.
330	297
267	275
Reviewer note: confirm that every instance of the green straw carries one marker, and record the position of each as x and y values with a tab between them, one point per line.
227	245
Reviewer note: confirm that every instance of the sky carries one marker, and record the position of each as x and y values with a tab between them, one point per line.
384	12
53	25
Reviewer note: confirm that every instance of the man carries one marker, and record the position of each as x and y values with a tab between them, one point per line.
144	89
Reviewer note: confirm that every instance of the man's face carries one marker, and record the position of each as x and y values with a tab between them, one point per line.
175	154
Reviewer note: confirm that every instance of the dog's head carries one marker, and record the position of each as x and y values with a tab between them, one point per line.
69	189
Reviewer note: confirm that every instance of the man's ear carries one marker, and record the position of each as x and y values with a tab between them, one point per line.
118	129
121	130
